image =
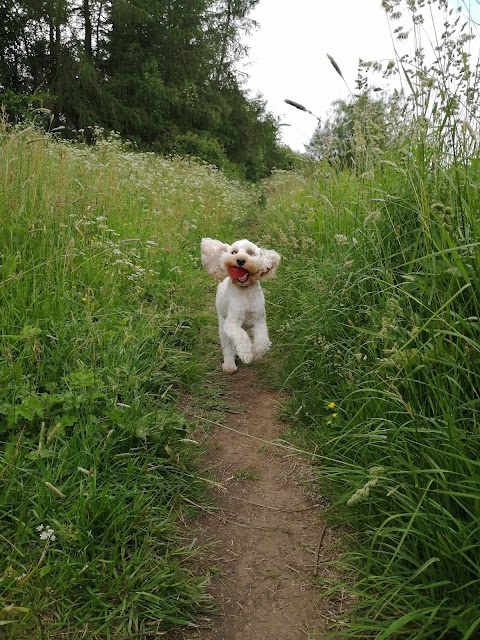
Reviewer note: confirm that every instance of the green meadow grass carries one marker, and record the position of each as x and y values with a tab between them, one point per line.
377	310
104	327
107	324
376	326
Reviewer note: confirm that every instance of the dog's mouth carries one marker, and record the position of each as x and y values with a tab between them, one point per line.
239	274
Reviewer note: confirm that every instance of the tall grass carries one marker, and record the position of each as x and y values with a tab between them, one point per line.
103	328
378	311
375	319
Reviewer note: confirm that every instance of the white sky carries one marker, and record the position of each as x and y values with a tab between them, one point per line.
288	55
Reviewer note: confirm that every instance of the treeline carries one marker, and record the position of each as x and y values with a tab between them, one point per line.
159	72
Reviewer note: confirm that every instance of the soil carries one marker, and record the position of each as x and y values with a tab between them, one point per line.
267	534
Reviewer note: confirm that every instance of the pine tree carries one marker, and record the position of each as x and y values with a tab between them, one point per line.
159	72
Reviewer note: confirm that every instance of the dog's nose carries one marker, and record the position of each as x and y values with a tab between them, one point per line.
240	262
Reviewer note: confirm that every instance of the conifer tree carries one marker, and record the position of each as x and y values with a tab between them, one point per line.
159	72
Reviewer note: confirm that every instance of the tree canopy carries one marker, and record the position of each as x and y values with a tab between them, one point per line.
159	72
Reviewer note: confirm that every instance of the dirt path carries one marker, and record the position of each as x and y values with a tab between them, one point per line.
266	531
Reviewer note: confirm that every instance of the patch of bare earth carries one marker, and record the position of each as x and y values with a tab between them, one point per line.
267	534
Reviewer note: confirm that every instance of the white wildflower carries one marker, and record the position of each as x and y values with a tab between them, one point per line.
340	238
46	533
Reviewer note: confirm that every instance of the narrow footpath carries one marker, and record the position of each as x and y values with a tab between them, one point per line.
268	537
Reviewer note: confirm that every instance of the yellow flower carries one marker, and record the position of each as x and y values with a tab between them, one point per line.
331	405
334	415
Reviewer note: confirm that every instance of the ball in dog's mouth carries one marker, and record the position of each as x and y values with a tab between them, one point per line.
238	273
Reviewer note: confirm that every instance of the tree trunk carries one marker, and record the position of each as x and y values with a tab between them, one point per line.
88	29
224	43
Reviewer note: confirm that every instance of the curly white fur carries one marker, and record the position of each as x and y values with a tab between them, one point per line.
240	302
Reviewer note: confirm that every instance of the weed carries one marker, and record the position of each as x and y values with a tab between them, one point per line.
245	475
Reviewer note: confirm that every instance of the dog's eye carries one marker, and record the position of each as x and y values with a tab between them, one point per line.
250	252
234	251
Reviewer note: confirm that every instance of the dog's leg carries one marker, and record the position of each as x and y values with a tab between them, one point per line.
240	339
228	365
261	341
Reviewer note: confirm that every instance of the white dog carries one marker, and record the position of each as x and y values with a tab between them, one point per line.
240	301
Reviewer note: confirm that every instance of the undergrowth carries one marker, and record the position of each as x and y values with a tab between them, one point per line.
377	329
103	329
105	324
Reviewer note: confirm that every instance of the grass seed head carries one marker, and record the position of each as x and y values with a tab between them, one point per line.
297	105
335	65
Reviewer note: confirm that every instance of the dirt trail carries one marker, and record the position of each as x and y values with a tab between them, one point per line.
266	531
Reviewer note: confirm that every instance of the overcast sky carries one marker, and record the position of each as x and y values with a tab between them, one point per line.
288	55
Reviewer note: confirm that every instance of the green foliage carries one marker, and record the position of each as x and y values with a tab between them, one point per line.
365	125
160	74
103	328
374	320
204	147
378	311
19	107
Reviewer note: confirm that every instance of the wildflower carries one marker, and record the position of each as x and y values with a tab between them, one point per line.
46	533
334	415
341	238
331	405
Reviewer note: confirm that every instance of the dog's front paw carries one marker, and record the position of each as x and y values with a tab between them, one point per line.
246	356
229	368
260	349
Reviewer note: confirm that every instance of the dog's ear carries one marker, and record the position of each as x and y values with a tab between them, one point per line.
270	260
211	252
